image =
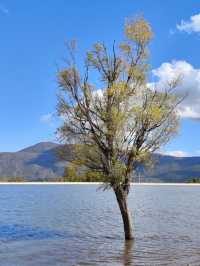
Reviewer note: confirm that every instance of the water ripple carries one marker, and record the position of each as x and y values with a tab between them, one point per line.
77	225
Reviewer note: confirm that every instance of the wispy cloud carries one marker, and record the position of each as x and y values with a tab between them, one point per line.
3	9
180	153
192	25
172	32
47	119
177	153
197	153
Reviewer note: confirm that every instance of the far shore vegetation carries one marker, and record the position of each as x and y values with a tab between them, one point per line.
88	178
194	180
81	178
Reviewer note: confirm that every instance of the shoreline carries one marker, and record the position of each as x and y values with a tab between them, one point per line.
97	183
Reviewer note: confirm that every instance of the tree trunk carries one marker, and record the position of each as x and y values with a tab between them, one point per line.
126	217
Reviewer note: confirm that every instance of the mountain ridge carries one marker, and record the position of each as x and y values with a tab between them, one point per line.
41	161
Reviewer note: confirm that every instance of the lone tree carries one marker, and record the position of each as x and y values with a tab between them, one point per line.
114	116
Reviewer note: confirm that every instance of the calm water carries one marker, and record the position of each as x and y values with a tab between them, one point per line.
73	225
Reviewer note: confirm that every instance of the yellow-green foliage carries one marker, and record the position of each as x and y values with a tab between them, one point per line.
118	122
138	30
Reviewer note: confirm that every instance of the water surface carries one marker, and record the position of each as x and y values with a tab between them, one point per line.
72	225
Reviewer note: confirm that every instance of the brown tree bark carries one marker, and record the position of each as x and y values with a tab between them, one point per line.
126	217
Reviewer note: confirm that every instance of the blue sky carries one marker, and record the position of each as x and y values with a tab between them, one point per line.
32	47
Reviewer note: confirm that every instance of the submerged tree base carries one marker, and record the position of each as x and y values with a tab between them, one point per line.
126	217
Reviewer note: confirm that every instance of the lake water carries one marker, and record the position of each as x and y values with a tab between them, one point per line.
71	225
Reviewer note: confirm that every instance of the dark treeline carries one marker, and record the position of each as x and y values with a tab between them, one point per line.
58	179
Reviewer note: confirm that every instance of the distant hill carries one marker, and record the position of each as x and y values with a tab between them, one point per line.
172	169
40	161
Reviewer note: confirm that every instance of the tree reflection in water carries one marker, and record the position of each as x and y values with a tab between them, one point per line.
127	257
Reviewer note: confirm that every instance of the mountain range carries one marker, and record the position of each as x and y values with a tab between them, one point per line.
41	161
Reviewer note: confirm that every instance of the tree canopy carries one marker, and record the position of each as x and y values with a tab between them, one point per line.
119	120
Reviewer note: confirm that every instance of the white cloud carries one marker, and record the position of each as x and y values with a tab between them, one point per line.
193	25
177	153
189	85
4	10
